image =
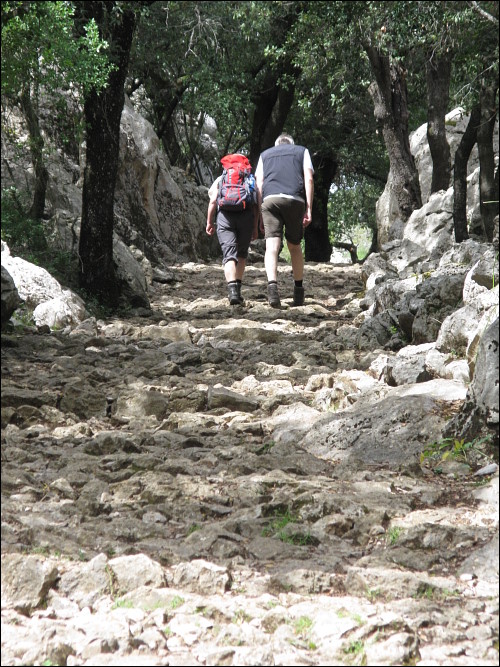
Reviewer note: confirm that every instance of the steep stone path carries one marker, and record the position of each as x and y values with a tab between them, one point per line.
158	508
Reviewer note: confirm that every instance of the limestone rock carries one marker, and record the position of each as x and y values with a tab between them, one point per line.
26	581
10	296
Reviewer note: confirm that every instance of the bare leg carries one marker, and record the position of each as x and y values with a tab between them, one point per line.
297	261
240	268
234	271
230	270
271	258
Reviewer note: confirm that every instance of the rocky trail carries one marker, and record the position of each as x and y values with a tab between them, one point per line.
168	498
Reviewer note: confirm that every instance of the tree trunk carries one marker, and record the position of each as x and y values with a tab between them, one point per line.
351	249
272	105
488	185
438	71
171	145
102	112
36	145
391	111
462	155
373	244
165	103
318	247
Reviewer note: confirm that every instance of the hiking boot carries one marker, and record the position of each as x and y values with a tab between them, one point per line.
238	291
233	294
298	296
273	296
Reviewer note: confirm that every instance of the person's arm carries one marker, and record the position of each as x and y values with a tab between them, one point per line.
309	187
256	218
210	217
259	181
212	207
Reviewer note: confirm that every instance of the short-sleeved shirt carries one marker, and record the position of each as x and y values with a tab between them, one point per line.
214	188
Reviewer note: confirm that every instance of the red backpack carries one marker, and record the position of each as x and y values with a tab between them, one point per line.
237	185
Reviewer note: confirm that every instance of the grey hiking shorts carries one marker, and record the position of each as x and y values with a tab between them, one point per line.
234	231
283	212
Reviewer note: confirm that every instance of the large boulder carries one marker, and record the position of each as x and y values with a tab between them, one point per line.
392	430
456	122
410	310
51	304
10	296
479	413
158	208
133	274
430	228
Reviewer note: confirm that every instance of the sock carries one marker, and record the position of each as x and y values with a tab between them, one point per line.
232	282
272	282
298	283
239	282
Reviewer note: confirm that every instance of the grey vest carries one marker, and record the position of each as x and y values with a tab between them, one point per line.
283	168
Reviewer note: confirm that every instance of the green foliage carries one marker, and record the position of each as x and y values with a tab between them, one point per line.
415	32
94	306
176	602
23	317
39	46
27	238
373	594
359	619
188	60
300	539
123	604
23	235
393	534
355	647
283	517
454	449
241	616
351	208
427	592
266	448
302	626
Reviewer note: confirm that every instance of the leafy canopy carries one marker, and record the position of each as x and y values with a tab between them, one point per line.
39	47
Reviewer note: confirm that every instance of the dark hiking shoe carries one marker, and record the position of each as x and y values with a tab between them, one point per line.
273	296
238	290
233	294
298	296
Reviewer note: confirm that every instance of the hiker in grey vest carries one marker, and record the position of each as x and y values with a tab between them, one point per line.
285	188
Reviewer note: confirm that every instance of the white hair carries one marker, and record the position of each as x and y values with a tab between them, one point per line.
284	139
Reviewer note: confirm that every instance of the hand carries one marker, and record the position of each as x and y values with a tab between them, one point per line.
255	232
210	228
307	218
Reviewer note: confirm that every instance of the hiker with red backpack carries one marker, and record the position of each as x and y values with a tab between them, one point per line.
285	188
234	212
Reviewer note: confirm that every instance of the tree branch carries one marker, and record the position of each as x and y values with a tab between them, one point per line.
486	15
